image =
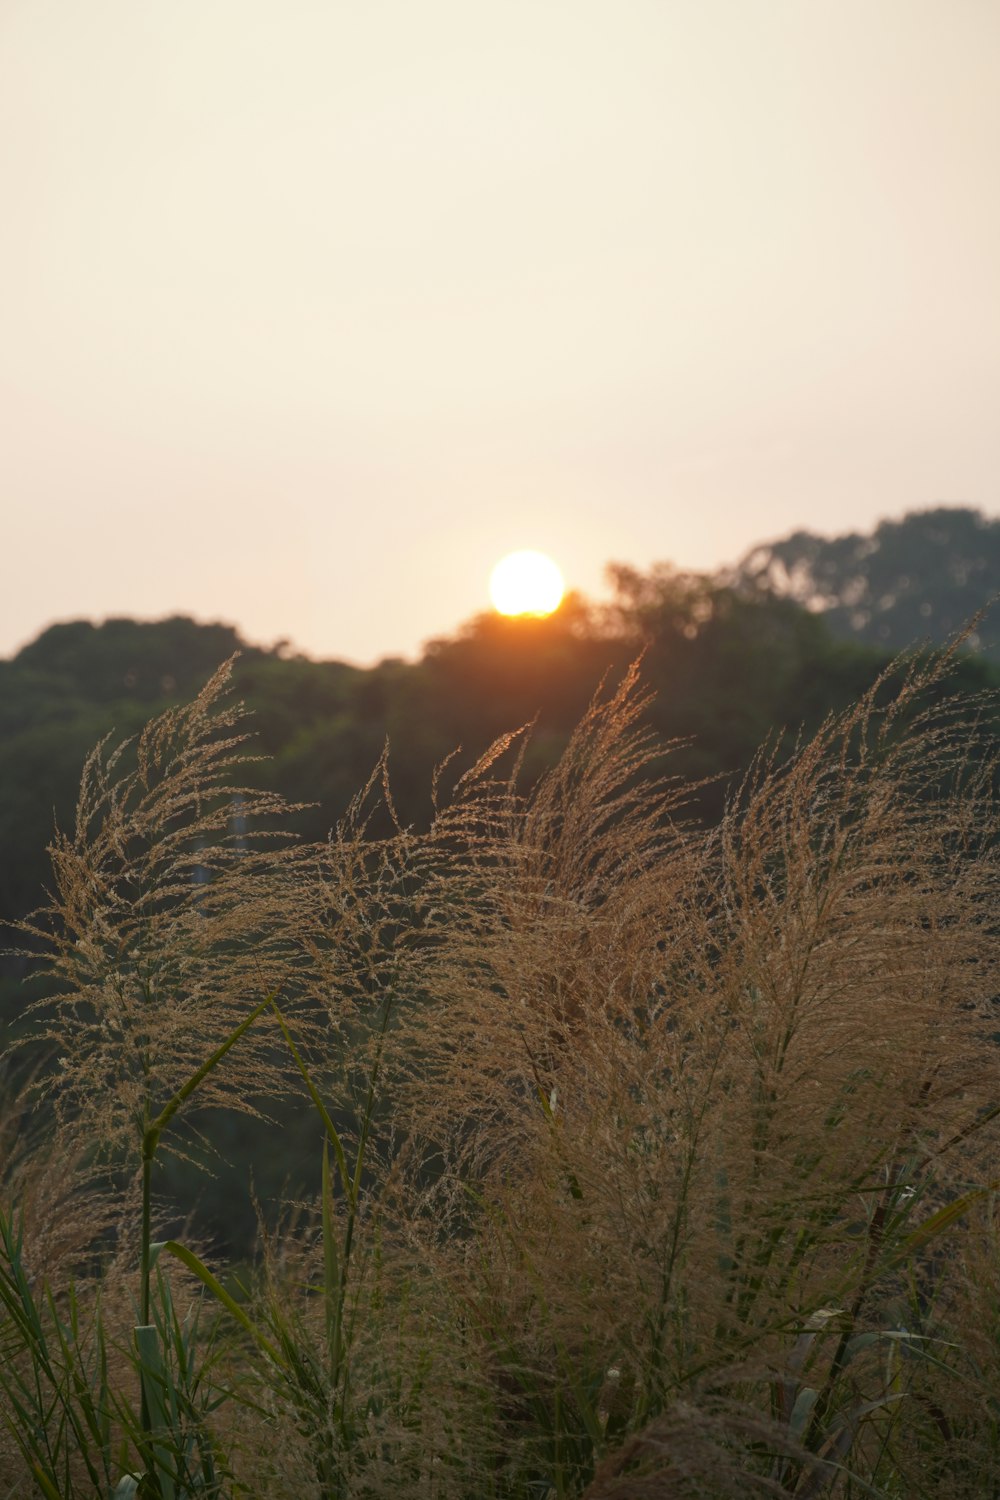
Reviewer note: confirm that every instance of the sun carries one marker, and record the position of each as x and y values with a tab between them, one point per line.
526	583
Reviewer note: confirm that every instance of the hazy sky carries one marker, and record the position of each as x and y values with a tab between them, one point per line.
311	311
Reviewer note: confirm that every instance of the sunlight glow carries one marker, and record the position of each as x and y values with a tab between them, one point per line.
526	583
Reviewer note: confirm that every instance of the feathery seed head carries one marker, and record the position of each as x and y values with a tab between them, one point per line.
164	928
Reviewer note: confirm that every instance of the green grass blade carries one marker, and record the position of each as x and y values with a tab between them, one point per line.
187	1088
940	1221
331	1267
156	1387
198	1268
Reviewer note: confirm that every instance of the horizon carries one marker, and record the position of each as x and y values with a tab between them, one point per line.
286	646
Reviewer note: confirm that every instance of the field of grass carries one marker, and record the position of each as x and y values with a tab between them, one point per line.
672	1163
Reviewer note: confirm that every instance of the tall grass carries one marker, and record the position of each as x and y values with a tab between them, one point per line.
672	1168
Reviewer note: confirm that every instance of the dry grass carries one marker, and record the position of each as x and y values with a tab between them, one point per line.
674	1165
163	921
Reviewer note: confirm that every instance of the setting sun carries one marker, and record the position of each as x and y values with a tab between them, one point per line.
526	583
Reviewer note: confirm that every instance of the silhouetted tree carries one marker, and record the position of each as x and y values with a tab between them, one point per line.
921	578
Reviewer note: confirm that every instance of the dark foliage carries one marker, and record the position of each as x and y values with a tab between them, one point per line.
921	578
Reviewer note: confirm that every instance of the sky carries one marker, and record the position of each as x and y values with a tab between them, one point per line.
311	310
